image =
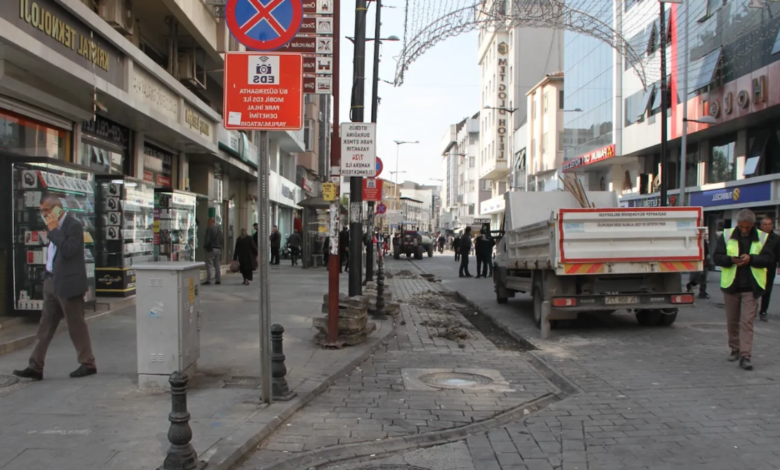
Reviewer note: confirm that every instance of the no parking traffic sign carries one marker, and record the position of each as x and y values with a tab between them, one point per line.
264	25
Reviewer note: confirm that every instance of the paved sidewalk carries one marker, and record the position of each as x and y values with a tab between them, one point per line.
377	402
104	422
650	397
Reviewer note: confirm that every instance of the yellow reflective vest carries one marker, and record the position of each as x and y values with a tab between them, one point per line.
727	275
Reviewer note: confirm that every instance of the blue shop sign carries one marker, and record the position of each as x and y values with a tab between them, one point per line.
736	195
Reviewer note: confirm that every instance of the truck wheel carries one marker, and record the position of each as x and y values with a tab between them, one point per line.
430	252
668	318
648	317
397	254
538	299
499	299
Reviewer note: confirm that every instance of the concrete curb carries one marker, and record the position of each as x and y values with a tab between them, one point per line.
236	455
24	341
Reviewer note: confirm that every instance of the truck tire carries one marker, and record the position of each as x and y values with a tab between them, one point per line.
430	252
668	318
538	299
648	317
396	253
419	254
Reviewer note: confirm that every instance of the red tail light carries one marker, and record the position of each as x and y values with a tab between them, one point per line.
564	302
682	299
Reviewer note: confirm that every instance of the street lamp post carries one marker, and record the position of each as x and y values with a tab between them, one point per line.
398	144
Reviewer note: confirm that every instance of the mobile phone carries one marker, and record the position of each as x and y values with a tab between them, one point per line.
57	211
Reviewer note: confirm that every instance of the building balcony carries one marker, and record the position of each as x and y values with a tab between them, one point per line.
290	141
494	169
492	206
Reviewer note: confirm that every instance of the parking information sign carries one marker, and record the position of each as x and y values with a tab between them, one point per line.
263	91
358	149
264	25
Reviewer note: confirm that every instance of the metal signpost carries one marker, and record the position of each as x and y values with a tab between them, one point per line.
264	92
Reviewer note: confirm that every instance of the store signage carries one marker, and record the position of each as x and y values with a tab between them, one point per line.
330	191
603	153
152	92
107	130
758	192
652	201
51	23
263	92
758	91
372	189
501	125
358	149
306	186
196	121
264	26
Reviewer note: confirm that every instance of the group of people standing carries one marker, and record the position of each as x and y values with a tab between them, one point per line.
483	247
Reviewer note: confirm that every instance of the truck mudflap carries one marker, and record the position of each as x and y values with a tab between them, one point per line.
622	301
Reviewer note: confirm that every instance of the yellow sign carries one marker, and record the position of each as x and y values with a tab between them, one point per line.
330	191
192	290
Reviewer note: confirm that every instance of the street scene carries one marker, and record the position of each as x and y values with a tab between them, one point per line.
377	234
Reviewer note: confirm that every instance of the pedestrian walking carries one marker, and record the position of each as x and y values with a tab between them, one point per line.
213	245
442	241
276	243
456	247
484	251
744	257
344	250
465	248
246	255
64	286
700	278
768	227
294	241
254	233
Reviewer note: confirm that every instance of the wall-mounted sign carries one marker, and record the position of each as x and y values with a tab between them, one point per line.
330	191
197	122
758	192
56	27
152	92
107	130
501	118
598	155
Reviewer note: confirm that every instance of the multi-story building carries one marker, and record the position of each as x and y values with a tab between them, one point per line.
510	63
427	195
544	134
135	88
733	58
462	189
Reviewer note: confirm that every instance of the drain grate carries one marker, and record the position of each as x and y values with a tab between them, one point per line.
242	382
8	380
454	380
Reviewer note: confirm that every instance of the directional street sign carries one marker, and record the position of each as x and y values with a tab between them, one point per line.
263	91
321	7
264	25
381	208
318	85
318	66
316	26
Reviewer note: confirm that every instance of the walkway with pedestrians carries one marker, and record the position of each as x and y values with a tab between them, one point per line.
104	421
649	397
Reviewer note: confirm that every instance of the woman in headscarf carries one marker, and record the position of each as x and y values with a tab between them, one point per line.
246	255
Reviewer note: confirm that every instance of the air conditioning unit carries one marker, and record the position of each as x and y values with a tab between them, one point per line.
119	14
188	70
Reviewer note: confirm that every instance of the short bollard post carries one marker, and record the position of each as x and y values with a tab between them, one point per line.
380	289
279	388
181	455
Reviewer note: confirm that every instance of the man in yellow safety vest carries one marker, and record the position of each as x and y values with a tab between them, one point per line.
744	257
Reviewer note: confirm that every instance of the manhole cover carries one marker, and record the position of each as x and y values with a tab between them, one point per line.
454	380
242	382
7	380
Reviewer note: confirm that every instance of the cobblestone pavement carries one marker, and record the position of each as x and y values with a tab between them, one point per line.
376	402
651	398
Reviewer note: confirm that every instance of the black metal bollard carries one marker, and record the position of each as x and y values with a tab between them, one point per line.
181	455
279	389
380	289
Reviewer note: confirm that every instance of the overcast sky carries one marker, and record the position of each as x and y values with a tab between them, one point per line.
440	88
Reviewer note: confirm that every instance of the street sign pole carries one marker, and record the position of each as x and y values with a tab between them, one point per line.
356	183
262	269
374	111
334	263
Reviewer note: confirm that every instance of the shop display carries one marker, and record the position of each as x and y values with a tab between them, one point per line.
125	228
175	228
30	180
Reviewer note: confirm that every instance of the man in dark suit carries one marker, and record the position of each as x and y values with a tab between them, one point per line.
465	248
64	286
768	227
254	234
276	243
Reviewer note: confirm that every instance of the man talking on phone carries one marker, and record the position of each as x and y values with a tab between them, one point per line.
744	257
64	286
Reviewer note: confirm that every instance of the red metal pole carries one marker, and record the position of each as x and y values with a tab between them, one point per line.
335	207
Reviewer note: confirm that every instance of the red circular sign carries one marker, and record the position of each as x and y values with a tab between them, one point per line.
379	167
260	27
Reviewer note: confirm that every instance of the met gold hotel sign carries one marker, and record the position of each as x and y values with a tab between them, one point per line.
37	16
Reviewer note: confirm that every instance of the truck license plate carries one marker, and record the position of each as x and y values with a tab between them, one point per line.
621	299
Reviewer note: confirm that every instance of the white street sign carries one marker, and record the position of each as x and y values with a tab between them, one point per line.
358	149
394	216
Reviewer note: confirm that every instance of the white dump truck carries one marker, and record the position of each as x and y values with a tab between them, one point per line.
602	259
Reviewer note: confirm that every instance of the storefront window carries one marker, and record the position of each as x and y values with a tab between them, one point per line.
158	166
723	163
104	146
25	136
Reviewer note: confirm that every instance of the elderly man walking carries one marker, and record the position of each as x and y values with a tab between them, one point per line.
744	257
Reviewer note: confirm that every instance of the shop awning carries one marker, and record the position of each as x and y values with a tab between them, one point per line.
702	72
316	203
